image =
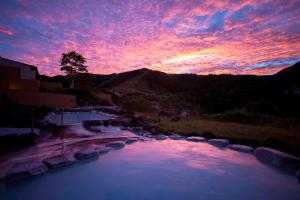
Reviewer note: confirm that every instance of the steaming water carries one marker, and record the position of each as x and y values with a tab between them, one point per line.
161	170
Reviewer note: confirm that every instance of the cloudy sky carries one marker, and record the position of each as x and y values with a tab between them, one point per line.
174	36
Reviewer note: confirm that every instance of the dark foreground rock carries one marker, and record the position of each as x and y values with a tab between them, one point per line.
241	148
116	145
86	154
131	140
58	161
219	142
277	158
176	137
196	139
103	150
160	137
24	170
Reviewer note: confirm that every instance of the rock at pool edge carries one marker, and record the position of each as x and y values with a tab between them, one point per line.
131	140
241	148
116	145
160	137
196	139
176	137
277	158
86	154
103	150
219	142
25	170
58	161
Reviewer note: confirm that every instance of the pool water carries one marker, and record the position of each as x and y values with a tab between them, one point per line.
70	118
157	170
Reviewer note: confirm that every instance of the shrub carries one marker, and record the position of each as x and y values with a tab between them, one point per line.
136	103
244	116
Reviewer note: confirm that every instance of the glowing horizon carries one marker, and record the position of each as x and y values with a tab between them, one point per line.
173	36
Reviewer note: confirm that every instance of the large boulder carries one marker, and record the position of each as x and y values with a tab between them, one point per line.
25	170
86	154
241	148
131	140
277	158
58	161
219	142
176	137
196	139
160	137
116	144
103	150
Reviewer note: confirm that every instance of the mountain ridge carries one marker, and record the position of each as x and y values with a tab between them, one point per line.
270	94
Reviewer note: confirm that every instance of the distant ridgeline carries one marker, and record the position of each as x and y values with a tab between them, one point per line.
277	94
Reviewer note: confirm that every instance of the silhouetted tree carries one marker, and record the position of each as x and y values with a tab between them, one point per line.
72	63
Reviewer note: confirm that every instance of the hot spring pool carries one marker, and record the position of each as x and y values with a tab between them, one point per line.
166	169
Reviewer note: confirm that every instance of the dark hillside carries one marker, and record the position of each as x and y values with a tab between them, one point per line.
274	95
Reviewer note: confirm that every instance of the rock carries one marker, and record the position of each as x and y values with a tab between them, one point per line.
58	161
131	140
298	175
160	137
176	137
116	145
241	148
103	150
25	170
86	154
196	139
219	142
144	139
277	158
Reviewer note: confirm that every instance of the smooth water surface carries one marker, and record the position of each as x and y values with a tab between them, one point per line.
70	118
161	170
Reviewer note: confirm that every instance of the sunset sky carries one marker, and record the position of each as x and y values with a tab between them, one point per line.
174	36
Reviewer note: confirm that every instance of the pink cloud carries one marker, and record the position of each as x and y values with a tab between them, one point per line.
117	37
6	31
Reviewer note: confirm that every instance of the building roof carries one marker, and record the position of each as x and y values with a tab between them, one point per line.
12	63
